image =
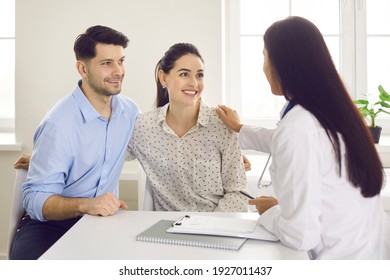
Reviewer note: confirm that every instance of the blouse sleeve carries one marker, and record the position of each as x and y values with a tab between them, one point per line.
130	155
233	177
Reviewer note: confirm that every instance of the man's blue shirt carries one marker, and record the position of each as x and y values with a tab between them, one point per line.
77	153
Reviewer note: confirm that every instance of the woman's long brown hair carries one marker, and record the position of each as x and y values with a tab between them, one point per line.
301	59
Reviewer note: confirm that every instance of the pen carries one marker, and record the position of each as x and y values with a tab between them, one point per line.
247	195
178	222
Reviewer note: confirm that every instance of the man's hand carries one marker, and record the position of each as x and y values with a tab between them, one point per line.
57	207
105	205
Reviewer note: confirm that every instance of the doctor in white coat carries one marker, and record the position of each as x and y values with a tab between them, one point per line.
326	172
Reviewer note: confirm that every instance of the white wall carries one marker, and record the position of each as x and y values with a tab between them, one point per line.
46	30
45	63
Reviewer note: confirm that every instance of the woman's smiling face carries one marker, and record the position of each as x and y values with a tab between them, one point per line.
185	80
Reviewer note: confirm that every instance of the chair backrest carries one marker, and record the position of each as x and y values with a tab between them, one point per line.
17	210
148	198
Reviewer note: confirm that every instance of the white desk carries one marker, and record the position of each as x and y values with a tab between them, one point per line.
114	238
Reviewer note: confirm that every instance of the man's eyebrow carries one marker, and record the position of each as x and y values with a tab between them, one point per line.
106	59
111	59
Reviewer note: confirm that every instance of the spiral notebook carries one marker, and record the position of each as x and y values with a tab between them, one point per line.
157	233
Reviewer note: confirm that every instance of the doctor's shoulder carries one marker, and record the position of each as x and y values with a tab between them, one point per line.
299	121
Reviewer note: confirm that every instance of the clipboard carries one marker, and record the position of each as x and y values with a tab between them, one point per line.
221	226
157	233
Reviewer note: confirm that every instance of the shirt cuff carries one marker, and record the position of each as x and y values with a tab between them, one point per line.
35	211
268	218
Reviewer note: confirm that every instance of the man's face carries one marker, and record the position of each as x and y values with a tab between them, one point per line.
105	72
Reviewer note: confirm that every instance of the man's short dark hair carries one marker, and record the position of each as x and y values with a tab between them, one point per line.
85	44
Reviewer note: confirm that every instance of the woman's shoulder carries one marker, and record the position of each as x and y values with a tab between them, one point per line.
302	128
147	119
212	114
298	124
146	124
301	118
150	113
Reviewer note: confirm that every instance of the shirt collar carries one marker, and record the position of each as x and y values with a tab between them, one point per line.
88	111
203	117
204	114
162	113
286	108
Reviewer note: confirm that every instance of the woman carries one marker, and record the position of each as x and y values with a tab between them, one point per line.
191	159
325	171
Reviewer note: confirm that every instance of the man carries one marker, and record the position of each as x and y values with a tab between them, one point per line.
79	147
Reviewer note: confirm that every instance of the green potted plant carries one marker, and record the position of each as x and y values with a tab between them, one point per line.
371	109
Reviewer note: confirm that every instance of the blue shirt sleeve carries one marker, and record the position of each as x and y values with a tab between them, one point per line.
48	169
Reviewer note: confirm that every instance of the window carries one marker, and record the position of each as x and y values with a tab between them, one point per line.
7	65
357	33
378	44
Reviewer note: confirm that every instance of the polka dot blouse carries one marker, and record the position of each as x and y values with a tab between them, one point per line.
200	171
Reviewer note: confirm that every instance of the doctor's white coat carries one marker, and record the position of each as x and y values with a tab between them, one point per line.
318	210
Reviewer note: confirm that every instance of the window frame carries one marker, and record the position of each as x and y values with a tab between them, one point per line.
353	56
8	124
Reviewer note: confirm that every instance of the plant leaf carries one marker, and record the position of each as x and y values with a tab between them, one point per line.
384	104
366	112
362	101
384	111
384	96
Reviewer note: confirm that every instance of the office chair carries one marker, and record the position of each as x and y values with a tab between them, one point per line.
148	197
17	210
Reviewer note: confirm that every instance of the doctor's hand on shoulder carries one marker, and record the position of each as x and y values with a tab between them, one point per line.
263	203
229	117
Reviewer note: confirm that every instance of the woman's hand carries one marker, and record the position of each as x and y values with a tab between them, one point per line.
247	163
23	161
263	203
229	117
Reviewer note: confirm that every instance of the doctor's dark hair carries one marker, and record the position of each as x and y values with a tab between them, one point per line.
85	44
304	68
166	63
